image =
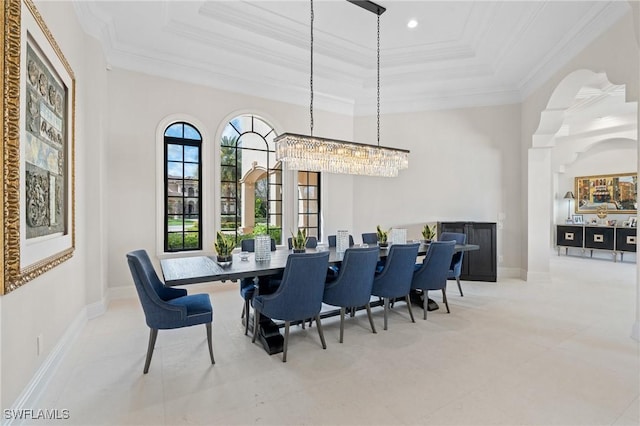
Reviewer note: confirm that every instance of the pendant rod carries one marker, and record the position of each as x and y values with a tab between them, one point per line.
369	5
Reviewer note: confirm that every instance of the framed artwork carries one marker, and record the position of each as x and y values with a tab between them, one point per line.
578	219
38	147
617	193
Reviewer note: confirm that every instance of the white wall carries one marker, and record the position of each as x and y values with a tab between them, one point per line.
50	303
463	165
609	157
137	104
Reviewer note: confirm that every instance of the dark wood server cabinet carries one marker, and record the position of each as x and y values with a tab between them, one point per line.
592	237
477	265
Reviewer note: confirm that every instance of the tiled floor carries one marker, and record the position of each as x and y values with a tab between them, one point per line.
510	353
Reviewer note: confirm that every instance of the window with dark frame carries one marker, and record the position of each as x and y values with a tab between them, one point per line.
250	180
309	203
183	188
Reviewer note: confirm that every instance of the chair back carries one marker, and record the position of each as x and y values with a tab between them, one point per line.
299	295
152	293
250	245
370	238
312	242
456	261
331	239
355	280
432	275
395	279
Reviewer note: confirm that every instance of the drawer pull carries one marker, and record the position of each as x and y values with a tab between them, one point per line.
598	238
568	236
631	239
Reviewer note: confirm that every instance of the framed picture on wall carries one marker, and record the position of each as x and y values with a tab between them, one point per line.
578	219
618	193
38	144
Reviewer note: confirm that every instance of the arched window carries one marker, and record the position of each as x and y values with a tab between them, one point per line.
182	188
250	179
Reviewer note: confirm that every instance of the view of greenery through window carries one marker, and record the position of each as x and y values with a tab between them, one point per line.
182	144
250	180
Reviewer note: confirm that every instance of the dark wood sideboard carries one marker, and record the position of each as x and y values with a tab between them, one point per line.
478	265
613	239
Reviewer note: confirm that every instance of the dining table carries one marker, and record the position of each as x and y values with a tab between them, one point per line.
194	269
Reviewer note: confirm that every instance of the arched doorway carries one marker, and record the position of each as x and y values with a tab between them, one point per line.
556	144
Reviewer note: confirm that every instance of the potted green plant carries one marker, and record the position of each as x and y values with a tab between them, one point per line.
299	241
224	245
382	236
429	233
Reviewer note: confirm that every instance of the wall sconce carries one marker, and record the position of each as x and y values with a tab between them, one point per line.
569	196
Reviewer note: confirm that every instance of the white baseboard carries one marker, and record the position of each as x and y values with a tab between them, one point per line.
509	273
32	393
532	276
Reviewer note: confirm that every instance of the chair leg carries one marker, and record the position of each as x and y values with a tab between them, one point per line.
408	300
286	341
256	320
320	332
425	304
341	323
386	309
246	318
153	334
459	287
373	327
444	299
209	342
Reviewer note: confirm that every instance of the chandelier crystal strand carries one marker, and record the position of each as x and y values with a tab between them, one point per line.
303	152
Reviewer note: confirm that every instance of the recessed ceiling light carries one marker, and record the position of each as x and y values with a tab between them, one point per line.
412	23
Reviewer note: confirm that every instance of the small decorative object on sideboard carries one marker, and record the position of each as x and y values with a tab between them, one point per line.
382	237
429	233
224	245
578	219
299	241
632	221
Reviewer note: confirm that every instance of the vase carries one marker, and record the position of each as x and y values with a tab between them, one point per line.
383	245
302	250
224	260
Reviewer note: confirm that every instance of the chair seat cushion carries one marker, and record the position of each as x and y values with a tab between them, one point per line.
198	306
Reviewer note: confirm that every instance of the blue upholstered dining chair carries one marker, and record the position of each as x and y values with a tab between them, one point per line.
370	238
331	239
299	296
248	285
432	274
165	307
456	262
395	279
352	288
312	242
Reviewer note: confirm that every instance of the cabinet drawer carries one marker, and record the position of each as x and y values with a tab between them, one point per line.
599	238
569	236
626	239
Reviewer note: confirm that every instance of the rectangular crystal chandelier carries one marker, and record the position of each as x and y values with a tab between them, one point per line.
303	152
308	152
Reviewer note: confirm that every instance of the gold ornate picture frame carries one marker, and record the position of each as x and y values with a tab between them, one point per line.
613	193
38	145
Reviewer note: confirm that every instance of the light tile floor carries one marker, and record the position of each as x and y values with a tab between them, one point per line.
510	353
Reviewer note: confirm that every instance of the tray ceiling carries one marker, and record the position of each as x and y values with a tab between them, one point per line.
461	53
